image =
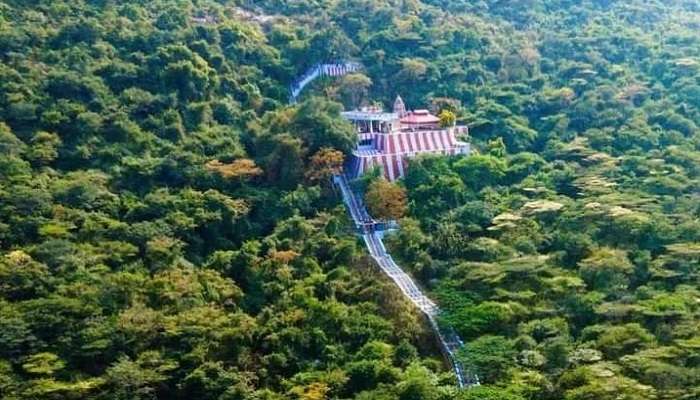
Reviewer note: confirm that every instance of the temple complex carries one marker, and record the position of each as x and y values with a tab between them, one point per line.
389	139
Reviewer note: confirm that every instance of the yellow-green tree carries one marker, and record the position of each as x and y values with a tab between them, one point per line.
447	118
353	88
242	169
386	200
324	164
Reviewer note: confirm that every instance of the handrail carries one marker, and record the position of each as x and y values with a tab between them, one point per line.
321	69
448	339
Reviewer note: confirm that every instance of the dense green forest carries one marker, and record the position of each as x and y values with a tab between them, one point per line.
168	229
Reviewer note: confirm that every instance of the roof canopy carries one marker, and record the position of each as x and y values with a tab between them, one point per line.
369	116
420	117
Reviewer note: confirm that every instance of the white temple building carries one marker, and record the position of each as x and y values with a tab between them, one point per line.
389	139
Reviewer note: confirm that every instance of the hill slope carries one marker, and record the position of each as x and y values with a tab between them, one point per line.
167	228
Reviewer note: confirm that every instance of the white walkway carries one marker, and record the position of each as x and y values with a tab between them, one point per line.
318	70
371	232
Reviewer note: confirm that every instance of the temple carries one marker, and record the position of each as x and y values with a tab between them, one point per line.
389	139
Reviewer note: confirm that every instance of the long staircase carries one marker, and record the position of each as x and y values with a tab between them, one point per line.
372	233
322	69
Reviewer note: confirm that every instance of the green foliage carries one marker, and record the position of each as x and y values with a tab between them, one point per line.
486	392
479	171
491	357
157	236
569	232
43	364
606	270
565	249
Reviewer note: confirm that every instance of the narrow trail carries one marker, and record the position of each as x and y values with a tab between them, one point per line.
372	234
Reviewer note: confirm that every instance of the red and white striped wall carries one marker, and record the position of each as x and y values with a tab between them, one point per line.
417	141
391	151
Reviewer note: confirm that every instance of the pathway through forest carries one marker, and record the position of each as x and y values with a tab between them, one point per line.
372	232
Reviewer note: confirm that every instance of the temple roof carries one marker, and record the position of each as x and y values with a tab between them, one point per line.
420	117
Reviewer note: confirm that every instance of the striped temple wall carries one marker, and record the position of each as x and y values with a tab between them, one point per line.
392	151
416	141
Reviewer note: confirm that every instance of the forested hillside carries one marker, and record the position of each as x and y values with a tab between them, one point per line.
168	228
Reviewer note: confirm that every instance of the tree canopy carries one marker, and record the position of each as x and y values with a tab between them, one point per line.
168	229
